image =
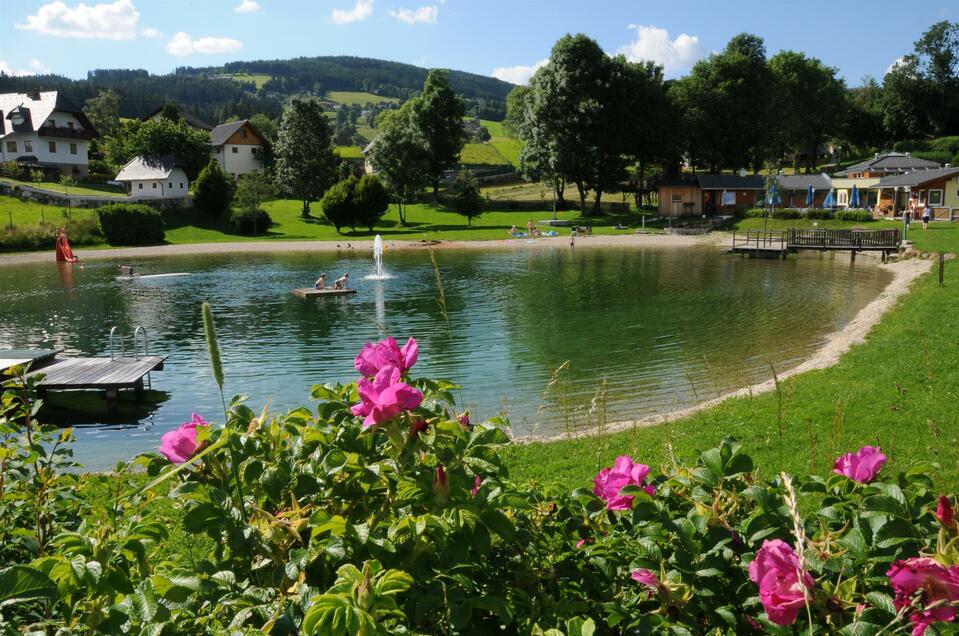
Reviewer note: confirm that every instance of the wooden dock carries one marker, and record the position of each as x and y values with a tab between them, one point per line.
106	374
312	292
779	243
17	357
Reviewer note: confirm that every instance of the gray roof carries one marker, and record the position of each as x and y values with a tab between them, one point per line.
141	168
221	133
891	162
731	182
185	116
803	181
915	178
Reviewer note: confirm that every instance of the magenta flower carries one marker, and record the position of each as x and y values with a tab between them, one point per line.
776	571
944	511
476	485
861	466
179	445
934	583
374	357
441	484
385	397
464	420
646	577
608	482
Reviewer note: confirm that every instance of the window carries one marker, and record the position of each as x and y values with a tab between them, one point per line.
677	198
52	122
253	149
154	185
27	145
73	149
843	198
170	185
11	146
235	150
181	185
140	186
935	197
52	146
218	149
70	125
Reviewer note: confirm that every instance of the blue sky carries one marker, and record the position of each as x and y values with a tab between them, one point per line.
505	38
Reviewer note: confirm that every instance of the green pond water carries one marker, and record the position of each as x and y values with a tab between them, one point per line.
644	330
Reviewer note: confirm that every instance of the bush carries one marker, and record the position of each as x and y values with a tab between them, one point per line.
247	221
82	231
786	213
854	215
910	145
130	224
339	206
939	156
393	513
213	189
946	144
818	213
372	200
755	213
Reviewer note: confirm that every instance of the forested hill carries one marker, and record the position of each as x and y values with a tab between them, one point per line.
241	89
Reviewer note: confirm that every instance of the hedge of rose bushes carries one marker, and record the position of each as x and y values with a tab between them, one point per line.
382	509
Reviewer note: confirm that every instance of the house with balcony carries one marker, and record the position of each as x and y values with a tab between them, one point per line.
45	130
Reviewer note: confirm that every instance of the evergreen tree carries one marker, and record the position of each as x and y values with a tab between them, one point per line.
305	162
213	189
437	115
372	201
339	207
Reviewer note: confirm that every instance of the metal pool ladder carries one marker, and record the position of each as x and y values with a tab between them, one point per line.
137	331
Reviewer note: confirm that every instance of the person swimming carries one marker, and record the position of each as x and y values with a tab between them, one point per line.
343	282
126	270
320	282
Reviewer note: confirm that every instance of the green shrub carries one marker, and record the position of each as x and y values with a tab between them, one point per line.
372	200
786	213
854	215
213	189
939	156
755	213
818	213
247	221
946	144
130	224
82	231
911	145
339	206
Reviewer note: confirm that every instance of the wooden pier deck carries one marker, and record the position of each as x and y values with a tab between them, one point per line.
779	243
312	292
16	357
104	374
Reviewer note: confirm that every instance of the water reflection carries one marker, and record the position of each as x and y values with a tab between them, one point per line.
662	328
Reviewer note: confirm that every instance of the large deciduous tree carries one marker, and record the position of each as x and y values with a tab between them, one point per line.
938	51
811	103
399	157
160	137
103	111
305	162
437	114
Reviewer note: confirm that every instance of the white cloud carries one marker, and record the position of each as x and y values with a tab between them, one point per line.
421	15
113	21
182	45
150	32
518	74
247	6
361	11
6	69
899	60
653	44
37	66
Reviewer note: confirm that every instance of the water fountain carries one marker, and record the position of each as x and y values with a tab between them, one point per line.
378	272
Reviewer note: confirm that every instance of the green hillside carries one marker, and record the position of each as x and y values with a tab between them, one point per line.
358	97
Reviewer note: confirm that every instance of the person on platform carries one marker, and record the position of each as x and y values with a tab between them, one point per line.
343	282
320	282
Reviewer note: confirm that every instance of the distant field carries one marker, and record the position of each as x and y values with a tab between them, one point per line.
349	152
357	97
507	146
365	132
257	79
482	154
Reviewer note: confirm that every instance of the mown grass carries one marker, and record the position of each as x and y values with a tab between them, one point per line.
33	213
899	389
507	146
349	152
482	154
358	97
82	188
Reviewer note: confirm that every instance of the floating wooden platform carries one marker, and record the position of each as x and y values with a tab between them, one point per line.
778	243
14	357
312	292
97	373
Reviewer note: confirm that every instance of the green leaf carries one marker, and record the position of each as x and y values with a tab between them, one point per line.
498	523
882	602
21	583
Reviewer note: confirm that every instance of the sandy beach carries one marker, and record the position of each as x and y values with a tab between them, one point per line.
837	343
273	247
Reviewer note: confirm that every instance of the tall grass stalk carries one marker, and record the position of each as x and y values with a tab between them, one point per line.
216	366
793	505
441	299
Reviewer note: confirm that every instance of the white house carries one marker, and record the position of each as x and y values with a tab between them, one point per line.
160	178
44	130
238	146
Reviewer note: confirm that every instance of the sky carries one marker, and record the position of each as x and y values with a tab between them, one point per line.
502	38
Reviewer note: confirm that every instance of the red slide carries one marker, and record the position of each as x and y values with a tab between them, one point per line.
64	253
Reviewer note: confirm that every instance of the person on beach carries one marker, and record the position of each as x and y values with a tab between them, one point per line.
320	282
531	227
514	231
343	282
572	240
926	216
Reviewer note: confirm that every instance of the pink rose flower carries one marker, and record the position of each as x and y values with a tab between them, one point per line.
476	485
861	466
944	511
934	583
441	485
385	397
374	357
646	577
464	420
608	482
179	445
776	571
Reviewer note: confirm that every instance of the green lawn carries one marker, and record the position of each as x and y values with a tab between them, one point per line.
482	154
507	146
358	97
82	188
32	213
349	152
